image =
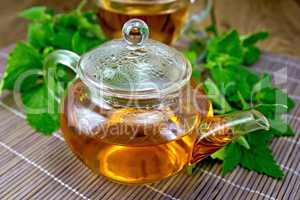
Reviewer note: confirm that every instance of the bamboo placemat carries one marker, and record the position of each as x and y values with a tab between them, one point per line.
38	167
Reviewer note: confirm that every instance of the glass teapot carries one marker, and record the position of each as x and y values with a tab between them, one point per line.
167	19
132	115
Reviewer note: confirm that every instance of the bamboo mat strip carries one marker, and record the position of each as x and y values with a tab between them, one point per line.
38	167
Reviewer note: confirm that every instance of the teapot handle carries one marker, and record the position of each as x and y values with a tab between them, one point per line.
64	57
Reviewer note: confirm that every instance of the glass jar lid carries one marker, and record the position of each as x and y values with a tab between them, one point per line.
135	66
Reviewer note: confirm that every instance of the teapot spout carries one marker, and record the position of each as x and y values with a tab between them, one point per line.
215	132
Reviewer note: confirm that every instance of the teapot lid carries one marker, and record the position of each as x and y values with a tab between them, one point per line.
135	66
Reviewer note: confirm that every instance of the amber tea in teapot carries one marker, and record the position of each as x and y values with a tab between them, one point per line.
131	114
146	139
164	17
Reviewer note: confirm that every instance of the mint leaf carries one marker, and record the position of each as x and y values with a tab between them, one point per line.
259	158
251	52
64	75
47	32
78	32
252	39
24	62
68	21
192	56
62	39
271	110
40	34
223	78
232	157
264	82
41	109
226	58
216	97
251	55
280	128
264	92
190	169
227	45
243	104
36	14
274	96
82	44
235	83
220	154
212	29
196	75
243	142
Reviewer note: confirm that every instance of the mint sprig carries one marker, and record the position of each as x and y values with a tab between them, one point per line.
76	31
231	85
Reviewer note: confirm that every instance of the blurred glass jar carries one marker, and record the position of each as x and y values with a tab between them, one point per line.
167	19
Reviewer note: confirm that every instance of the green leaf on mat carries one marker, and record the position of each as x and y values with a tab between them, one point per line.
40	34
280	128
41	109
252	39
82	44
47	32
259	158
216	97
233	86
24	65
232	157
243	142
251	55
220	154
36	14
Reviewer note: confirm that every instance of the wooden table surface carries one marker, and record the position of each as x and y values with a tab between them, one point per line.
39	167
281	18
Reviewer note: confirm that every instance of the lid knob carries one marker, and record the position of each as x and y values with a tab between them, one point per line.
135	32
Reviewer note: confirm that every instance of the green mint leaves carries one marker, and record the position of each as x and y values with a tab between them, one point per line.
231	86
232	157
76	31
37	14
41	109
24	58
258	158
